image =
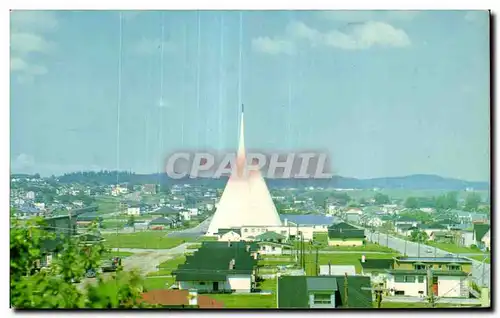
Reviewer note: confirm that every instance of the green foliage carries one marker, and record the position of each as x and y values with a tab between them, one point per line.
418	215
447	201
419	236
54	286
472	201
131	221
411	203
381	198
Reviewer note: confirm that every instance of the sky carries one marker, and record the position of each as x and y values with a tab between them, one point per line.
383	93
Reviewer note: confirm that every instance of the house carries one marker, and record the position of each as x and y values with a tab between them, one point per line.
185	215
161	223
406	220
429	228
374	222
270	236
337	270
442	237
479	231
405	229
134	209
376	268
171	298
408	276
229	235
304	292
345	237
486	240
218	267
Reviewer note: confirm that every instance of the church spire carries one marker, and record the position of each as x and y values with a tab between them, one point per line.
241	145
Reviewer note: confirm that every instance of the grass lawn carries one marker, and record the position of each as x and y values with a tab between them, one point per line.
453	248
480	258
157	239
151	283
251	300
167	267
369	247
107	205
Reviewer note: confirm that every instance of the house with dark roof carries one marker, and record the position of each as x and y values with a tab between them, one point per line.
174	298
376	268
442	237
405	229
408	277
304	292
343	234
479	231
219	267
229	235
86	219
272	243
433	227
161	223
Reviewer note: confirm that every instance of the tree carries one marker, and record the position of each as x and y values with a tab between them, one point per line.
411	203
472	201
418	236
381	198
131	221
54	286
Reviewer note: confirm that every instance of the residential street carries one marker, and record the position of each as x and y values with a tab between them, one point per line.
412	249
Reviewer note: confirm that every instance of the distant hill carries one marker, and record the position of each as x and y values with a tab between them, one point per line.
415	182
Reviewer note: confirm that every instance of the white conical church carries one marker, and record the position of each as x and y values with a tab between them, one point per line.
246	201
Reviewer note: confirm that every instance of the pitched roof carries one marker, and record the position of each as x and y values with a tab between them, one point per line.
343	226
224	231
346	234
374	263
170	297
321	283
161	221
270	235
165	210
480	230
212	262
293	291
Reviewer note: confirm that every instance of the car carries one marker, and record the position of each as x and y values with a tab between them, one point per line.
111	265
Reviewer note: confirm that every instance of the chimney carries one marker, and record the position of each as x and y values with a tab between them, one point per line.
232	263
193	297
363	258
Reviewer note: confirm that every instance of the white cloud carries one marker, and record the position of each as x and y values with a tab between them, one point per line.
272	46
152	46
23	161
366	35
28	30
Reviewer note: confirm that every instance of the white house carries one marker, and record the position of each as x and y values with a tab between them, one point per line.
185	215
375	222
416	285
30	195
241	283
39	205
134	210
229	235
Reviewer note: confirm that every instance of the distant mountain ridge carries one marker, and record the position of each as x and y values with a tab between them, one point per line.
415	182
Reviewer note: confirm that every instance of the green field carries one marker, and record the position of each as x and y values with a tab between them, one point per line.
368	247
106	205
112	254
153	239
167	267
151	283
251	300
453	248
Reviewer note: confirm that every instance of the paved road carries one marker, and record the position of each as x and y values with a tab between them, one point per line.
407	299
144	260
412	249
198	230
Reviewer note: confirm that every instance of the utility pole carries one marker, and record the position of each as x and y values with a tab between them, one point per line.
317	258
379	237
387	240
430	291
418	247
329	268
346	292
405	247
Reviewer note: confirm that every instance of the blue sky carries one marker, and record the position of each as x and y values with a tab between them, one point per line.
384	93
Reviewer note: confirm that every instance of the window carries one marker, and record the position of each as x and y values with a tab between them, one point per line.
273	248
454	267
253	230
410	279
245	230
420	279
419	267
202	283
322	299
399	279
